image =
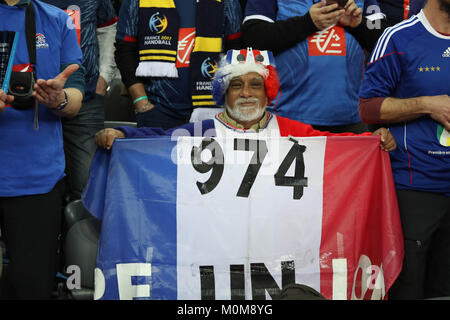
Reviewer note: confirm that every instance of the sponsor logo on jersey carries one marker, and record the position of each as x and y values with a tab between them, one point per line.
186	41
446	53
328	42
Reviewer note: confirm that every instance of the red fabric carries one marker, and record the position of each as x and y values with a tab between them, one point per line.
109	23
234	36
406	7
370	109
130	39
272	84
360	212
296	128
360	207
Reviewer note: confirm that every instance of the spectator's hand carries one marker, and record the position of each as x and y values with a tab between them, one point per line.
324	16
105	138
4	100
388	142
352	16
50	92
101	86
440	109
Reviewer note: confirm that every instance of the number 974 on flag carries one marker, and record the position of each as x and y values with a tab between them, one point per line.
251	167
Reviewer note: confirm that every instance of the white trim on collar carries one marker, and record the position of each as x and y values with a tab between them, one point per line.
430	29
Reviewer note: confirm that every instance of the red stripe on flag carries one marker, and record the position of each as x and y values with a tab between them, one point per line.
360	218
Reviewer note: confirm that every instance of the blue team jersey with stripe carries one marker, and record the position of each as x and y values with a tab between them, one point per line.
320	76
411	59
32	159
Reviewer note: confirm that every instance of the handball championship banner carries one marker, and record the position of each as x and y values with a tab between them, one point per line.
209	218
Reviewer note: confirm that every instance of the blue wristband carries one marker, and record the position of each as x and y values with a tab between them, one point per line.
139	99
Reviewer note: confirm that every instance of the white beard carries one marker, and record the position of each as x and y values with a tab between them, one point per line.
242	113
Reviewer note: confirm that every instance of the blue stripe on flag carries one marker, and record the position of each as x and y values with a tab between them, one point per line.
142	190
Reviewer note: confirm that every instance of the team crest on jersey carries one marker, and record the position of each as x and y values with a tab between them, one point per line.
209	68
328	42
158	23
41	43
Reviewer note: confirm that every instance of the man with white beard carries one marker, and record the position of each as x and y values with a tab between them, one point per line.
245	83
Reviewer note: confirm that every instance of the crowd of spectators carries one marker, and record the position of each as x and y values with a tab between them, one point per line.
344	66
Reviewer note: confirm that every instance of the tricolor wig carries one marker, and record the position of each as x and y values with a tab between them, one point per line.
239	62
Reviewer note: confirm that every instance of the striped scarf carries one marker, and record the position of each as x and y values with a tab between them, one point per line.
158	44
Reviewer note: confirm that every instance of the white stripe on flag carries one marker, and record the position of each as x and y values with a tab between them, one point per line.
269	227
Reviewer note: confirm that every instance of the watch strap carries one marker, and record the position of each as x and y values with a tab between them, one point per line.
64	104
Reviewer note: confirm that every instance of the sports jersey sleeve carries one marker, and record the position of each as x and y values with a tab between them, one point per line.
127	25
233	17
106	15
106	33
261	9
232	25
70	49
126	53
260	30
383	70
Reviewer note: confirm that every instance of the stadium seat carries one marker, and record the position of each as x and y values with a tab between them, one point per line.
81	243
74	212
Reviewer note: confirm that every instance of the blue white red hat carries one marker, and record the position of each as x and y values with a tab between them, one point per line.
239	62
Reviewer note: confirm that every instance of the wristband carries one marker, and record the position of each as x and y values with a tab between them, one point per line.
143	108
139	99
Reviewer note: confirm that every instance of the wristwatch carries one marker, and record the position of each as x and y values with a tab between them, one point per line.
63	104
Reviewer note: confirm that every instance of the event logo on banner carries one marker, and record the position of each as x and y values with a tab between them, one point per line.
242	217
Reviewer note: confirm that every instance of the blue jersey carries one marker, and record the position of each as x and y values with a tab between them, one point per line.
173	95
411	59
32	161
320	76
93	14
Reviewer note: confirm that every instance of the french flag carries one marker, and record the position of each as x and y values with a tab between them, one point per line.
239	218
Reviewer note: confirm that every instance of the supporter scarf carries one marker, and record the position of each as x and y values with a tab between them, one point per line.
158	44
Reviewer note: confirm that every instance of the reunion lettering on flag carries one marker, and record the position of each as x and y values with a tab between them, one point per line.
241	217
